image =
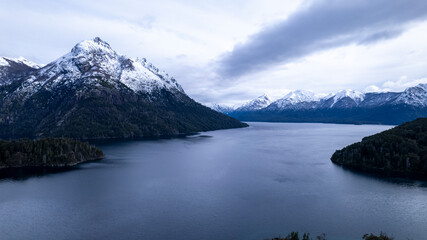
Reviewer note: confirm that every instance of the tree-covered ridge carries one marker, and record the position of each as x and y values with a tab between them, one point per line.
46	152
401	150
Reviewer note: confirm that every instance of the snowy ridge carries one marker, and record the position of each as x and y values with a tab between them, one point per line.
221	108
415	96
255	104
354	95
151	77
94	62
294	98
298	96
10	69
4	61
27	62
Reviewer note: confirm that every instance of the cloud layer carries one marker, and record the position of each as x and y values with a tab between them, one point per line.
319	26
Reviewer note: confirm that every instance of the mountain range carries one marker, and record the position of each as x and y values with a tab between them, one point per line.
94	92
347	106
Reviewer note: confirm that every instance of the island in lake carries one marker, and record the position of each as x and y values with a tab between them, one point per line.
46	152
400	151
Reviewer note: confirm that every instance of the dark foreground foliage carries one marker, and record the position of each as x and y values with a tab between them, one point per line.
306	236
46	152
382	236
401	151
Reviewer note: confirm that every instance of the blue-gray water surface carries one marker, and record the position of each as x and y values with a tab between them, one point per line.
251	183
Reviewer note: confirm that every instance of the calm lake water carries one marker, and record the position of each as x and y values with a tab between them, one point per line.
252	183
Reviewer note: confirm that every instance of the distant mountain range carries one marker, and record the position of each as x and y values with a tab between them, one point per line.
94	92
347	106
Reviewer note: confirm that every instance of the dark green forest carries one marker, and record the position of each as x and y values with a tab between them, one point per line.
306	236
400	151
46	152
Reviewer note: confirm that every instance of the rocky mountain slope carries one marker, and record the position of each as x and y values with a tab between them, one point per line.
94	92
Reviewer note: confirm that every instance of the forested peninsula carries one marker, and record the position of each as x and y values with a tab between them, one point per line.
400	151
46	152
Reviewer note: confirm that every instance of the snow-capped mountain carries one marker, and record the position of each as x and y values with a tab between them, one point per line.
95	62
94	92
255	104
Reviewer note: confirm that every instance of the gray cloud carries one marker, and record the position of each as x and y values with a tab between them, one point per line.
319	26
379	36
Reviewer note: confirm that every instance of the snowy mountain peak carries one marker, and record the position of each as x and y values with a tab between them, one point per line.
298	96
415	96
293	98
221	108
263	96
263	99
255	104
94	63
93	45
5	61
354	95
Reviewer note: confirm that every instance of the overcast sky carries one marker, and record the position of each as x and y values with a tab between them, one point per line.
228	52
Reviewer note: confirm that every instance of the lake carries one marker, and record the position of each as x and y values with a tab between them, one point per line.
252	183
